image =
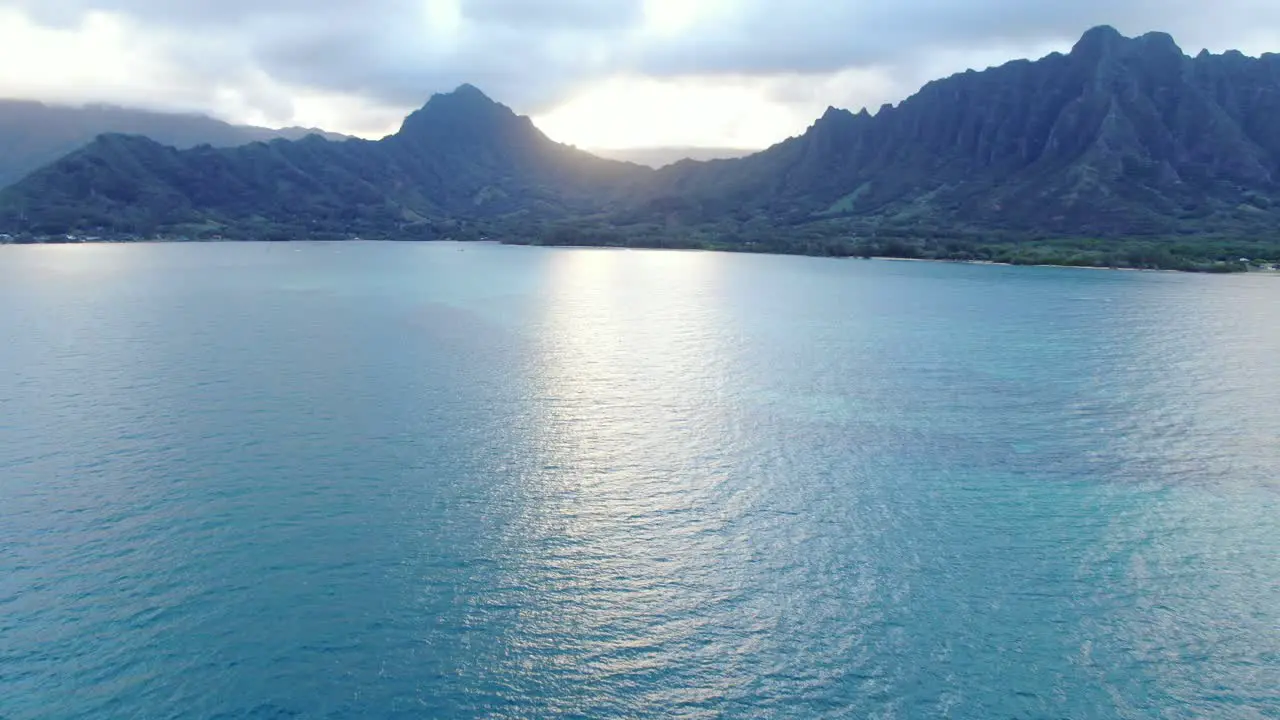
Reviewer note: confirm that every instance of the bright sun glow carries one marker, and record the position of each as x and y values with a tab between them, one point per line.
630	112
60	70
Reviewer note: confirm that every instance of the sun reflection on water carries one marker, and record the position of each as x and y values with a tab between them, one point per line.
631	442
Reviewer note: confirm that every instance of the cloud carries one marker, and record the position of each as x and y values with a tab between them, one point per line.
534	14
393	51
285	60
821	36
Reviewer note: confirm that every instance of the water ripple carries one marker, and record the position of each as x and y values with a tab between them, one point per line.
332	481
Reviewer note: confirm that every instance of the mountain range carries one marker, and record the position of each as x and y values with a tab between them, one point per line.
34	134
660	157
1124	151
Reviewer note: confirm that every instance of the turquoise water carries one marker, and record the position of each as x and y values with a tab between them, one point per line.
401	481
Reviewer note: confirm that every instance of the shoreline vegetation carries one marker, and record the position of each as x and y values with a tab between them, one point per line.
1205	252
1203	256
1184	254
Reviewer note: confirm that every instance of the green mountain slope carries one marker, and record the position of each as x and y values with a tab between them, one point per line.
462	158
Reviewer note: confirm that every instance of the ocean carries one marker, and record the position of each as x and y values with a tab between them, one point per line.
382	480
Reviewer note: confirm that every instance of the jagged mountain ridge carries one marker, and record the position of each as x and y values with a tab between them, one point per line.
33	134
1118	137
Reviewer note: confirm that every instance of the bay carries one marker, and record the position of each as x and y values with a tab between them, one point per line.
440	480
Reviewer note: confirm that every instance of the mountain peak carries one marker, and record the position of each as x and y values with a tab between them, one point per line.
465	95
470	92
1160	42
834	112
464	107
1097	40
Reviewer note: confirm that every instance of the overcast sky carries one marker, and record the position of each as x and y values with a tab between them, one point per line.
597	73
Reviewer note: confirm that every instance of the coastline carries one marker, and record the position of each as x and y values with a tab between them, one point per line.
1252	271
889	258
1275	271
1041	265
